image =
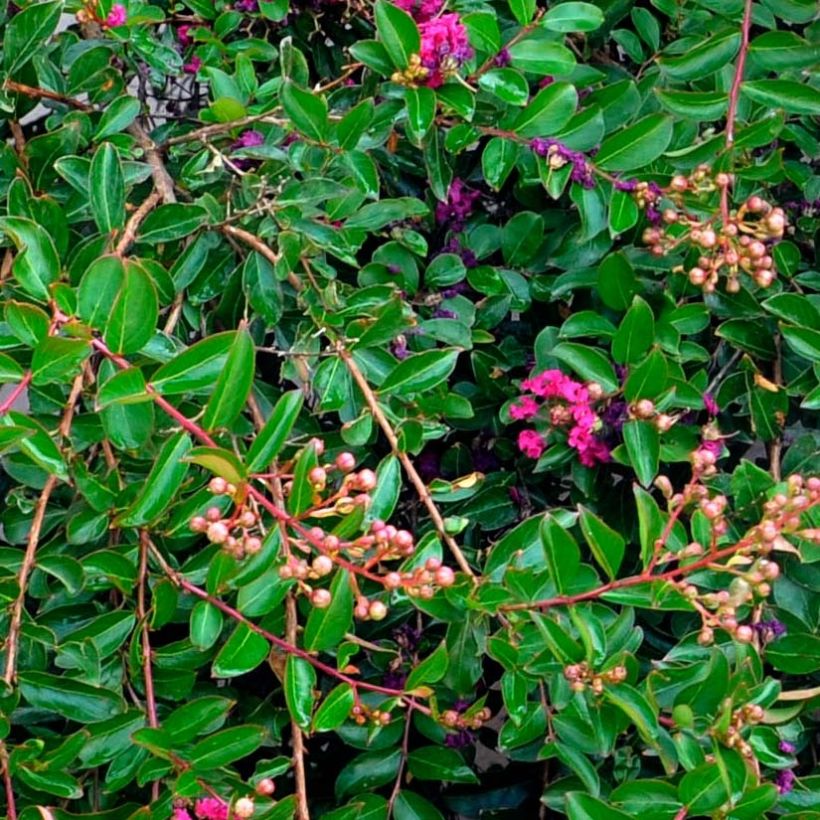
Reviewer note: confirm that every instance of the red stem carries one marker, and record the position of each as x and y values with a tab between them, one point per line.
15	394
11	807
734	93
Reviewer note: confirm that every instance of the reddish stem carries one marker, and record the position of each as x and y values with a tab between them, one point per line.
11	807
734	93
15	394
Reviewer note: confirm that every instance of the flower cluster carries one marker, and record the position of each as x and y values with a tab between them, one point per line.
212	808
729	243
459	205
568	406
420	10
462	721
236	533
90	13
558	155
581	676
117	16
444	49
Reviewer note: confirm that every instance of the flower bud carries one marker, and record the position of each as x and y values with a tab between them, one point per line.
644	408
392	580
217	532
377	611
218	485
322	565
252	544
213	514
265	787
198	523
744	634
345	462
243	808
445	577
366	480
321	598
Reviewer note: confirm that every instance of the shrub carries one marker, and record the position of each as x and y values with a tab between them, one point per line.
409	409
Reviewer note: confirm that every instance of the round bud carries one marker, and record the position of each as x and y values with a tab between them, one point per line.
644	408
757	249
697	276
426	592
331	542
708	238
679	183
776	221
392	580
595	391
218	485
366	480
318	445
322	565
217	532
764	278
345	462
722	180
265	787
706	636
377	611
198	523
755	204
771	570
449	717
247	519
317	476
252	544
664	422
445	577
243	808
321	598
432	564
744	634
213	514
670	215
285	572
403	539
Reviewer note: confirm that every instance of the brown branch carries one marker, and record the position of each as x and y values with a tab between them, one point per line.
45	94
27	566
11	807
162	179
147	670
776	446
254	242
131	227
409	468
217	128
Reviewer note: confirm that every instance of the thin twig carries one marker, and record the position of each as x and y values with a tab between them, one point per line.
15	394
405	750
776	446
409	468
254	242
45	94
163	181
32	542
131	227
11	807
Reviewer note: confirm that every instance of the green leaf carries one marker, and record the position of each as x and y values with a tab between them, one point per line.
326	627
117	116
354	124
635	146
607	545
167	474
589	363
58	360
779	50
638	709
26	322
368	771
635	334
171	222
334	709
10	371
421	110
107	189
523	10
196	368
242	652
36	265
803	341
796	653
571	16
507	84
397	31
706	57
582	806
617	282
534	55
550	110
703	789
307	110
197	717
562	553
412	806
220	462
791	96
60	784
124	387
644	449
234	384
623	212
206	624
36	443
27	31
300	681
441	764
431	670
272	437
225	747
132	318
420	372
498	160
702	106
72	699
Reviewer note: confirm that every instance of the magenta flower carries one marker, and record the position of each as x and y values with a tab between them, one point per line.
526	409
558	155
711	405
211	808
530	443
181	813
246	6
444	47
786	747
193	66
784	781
183	36
248	139
459	205
117	16
420	10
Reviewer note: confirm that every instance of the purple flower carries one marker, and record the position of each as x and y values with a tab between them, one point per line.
444	313
786	747
455	290
503	58
459	739
784	781
627	185
770	630
459	205
246	6
193	66
711	405
558	155
399	348
248	139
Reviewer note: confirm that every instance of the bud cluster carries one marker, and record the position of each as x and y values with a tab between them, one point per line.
362	714
645	410
740	242
581	676
470	720
745	716
237	533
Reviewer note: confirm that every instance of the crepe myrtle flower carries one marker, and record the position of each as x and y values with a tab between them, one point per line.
458	206
784	780
246	6
444	47
420	10
117	16
193	65
558	155
786	747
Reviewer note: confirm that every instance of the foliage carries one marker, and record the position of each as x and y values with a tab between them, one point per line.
409	411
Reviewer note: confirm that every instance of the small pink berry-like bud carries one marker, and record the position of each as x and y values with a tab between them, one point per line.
218	486
322	565
426	592
697	276
345	462
679	183
722	180
331	542
366	480
247	519
286	572
776	221
432	564
445	577
392	580
755	204
317	476
377	611
757	249
664	422
243	808
644	408
318	446
213	514
744	634
708	238
403	539
316	534
377	526
706	636
595	391
771	570
321	598
265	787
764	277
198	523
252	544
218	532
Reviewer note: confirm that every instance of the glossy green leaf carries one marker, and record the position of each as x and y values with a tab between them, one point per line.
327	626
300	681
242	652
107	189
234	384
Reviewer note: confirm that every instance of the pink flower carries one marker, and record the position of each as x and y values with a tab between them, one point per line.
181	813
711	405
249	139
420	10
530	443
117	16
193	66
183	36
526	409
211	808
444	47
